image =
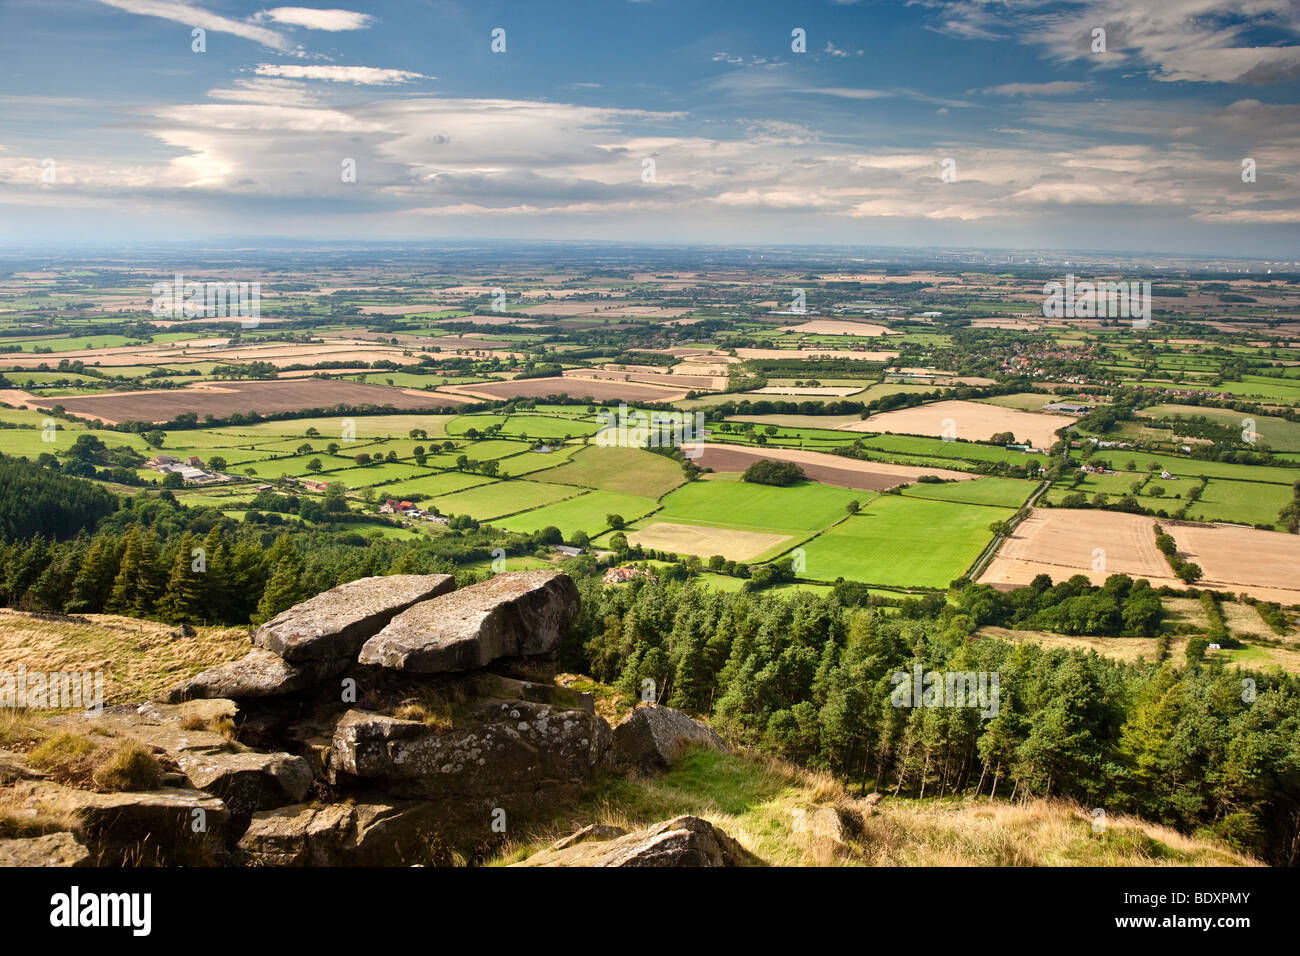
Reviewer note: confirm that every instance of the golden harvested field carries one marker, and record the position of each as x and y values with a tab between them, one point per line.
695	382
836	327
1063	542
697	539
1127	649
596	389
973	421
1263	564
810	353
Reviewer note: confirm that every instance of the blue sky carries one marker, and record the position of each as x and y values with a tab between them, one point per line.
663	121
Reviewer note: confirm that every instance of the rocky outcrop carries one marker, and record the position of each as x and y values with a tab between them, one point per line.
510	615
514	739
334	624
652	738
435	736
52	849
170	822
387	833
249	780
261	674
682	841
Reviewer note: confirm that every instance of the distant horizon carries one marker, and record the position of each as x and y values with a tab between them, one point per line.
1090	125
881	253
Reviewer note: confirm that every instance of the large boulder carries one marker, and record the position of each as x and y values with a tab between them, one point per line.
512	740
52	849
652	738
365	833
249	780
334	624
820	823
262	673
682	841
511	615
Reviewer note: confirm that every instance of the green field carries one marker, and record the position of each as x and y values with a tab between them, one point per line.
630	470
501	498
584	513
900	541
1002	492
723	503
1278	433
1241	502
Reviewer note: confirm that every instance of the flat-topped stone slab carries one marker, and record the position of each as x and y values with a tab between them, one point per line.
511	615
262	673
336	623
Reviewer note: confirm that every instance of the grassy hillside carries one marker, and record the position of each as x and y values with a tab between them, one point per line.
755	799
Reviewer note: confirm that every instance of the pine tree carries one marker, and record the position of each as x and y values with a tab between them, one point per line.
182	596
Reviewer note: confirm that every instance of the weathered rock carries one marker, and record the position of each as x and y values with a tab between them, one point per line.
245	779
510	615
682	841
336	623
249	780
593	831
148	822
52	849
339	834
14	767
261	674
496	748
819	824
873	798
652	738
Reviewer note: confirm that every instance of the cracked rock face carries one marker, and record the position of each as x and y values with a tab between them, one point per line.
334	624
510	615
500	747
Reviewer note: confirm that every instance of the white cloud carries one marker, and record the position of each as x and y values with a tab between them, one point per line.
1054	88
1203	41
357	75
194	16
331	20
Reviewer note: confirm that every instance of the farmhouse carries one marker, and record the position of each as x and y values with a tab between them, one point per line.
318	486
623	575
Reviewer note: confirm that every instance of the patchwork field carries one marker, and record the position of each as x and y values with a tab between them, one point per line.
942	540
974	421
230	398
588	512
731	543
1263	564
630	470
596	389
820	467
745	506
1062	542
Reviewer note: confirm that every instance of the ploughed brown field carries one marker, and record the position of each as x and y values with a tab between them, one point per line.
593	388
221	399
827	469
